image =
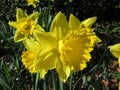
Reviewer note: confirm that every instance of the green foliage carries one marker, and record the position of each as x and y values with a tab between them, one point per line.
14	76
105	10
116	75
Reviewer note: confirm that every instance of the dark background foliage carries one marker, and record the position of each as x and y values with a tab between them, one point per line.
13	74
105	10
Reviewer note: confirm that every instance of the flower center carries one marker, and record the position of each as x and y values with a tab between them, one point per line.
75	47
26	26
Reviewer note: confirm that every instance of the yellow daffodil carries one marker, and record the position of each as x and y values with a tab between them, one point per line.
32	2
25	25
67	46
115	50
29	56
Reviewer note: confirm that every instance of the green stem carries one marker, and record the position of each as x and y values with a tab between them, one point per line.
60	84
36	82
71	78
119	85
53	80
44	85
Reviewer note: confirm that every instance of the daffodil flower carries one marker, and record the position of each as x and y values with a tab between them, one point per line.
25	25
29	56
115	50
67	46
32	2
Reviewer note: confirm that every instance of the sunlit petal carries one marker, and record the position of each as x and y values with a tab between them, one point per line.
63	71
13	24
19	36
32	44
46	60
74	22
20	14
59	26
39	28
115	50
89	22
34	16
43	72
47	41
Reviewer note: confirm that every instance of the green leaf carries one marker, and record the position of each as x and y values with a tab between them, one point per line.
4	83
116	75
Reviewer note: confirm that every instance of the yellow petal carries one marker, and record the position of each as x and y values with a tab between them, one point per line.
59	26
74	22
31	44
98	39
34	16
28	59
42	73
46	40
32	2
89	22
63	71
19	37
46	60
20	14
119	61
13	24
115	50
83	66
39	28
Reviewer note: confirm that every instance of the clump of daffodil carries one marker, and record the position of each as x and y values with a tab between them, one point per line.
25	25
67	46
29	56
115	50
32	2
